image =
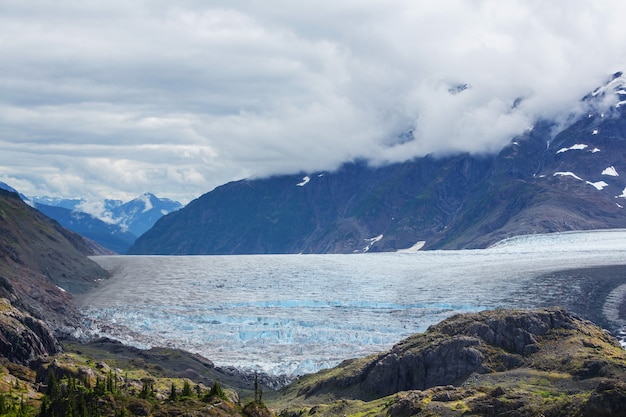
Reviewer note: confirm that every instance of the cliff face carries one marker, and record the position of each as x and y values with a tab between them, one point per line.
487	363
24	338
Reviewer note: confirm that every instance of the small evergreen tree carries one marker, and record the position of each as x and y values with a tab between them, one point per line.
172	396
54	388
186	392
147	388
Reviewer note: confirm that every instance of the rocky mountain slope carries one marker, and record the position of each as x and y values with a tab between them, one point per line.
547	179
41	263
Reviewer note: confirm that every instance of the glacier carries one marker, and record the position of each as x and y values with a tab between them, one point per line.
296	314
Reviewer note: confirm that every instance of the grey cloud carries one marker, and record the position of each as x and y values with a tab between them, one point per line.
119	98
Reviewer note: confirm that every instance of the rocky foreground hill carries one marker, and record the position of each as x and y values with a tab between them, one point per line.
493	363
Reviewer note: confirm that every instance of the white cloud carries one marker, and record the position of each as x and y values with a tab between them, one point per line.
119	98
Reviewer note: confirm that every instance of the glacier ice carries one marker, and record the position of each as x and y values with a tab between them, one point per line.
294	314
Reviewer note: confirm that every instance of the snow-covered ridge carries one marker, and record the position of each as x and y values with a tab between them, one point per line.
616	85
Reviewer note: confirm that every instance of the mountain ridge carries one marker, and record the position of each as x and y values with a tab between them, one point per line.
42	264
548	179
460	201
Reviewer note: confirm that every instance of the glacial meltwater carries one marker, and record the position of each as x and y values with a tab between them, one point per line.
295	314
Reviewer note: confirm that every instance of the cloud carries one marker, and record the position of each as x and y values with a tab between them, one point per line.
122	97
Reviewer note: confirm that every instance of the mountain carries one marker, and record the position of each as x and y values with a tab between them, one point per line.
41	263
110	236
139	215
548	179
113	224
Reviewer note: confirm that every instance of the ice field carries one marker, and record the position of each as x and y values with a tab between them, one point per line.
295	314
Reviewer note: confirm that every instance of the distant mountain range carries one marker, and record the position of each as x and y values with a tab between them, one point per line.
548	179
115	225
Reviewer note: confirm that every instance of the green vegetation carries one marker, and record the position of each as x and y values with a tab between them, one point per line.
73	385
531	363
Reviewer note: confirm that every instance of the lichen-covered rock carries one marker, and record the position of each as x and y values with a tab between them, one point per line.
514	331
22	337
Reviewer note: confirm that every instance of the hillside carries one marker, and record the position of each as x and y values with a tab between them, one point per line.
41	263
549	179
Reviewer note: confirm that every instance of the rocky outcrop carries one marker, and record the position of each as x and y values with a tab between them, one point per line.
495	363
463	345
24	338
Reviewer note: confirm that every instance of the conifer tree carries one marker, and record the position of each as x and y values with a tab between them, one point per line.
172	396
186	389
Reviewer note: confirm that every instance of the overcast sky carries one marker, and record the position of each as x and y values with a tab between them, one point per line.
120	97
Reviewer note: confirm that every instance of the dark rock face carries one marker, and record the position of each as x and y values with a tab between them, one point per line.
609	399
515	333
22	337
442	363
449	352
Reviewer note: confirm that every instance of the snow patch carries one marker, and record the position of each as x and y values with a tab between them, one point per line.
413	249
594	150
147	204
371	242
62	290
305	181
611	171
622	195
567	174
619	205
595	132
576	147
598	185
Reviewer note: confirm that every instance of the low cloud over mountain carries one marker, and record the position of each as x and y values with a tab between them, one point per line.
106	100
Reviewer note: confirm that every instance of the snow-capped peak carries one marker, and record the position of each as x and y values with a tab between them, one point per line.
147	201
613	93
